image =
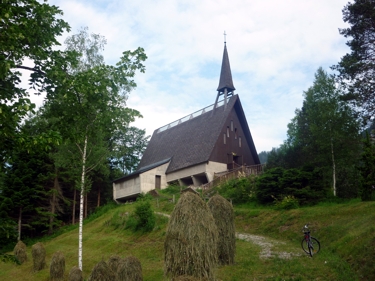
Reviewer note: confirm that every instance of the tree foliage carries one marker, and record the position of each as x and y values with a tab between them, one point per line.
324	132
357	68
367	169
127	147
24	192
89	105
28	34
44	157
241	190
276	184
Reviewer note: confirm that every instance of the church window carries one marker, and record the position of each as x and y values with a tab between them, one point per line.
239	141
228	131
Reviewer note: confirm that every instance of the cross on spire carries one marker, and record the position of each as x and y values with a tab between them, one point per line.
225	37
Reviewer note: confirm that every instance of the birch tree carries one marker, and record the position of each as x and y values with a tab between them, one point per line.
325	129
90	104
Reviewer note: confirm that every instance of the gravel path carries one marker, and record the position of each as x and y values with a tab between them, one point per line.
265	243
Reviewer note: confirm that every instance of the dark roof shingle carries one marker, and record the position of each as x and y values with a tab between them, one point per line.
190	142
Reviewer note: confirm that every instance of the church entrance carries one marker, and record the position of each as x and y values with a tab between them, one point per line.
234	161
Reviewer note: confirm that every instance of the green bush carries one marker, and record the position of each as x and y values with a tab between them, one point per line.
131	223
239	190
287	203
172	189
268	185
143	218
303	184
9	258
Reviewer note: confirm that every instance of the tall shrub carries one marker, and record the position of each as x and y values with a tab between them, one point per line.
239	190
304	184
143	218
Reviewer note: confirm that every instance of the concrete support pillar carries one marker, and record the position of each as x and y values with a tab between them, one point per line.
209	176
195	181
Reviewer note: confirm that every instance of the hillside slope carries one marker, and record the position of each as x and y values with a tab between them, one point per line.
346	232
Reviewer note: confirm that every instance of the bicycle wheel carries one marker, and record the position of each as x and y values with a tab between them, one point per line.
305	247
315	246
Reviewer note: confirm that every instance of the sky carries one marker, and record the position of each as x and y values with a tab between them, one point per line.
274	46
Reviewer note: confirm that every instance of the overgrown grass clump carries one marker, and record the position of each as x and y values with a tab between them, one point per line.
344	228
142	219
129	268
241	190
20	252
287	203
223	214
57	267
190	246
102	272
39	256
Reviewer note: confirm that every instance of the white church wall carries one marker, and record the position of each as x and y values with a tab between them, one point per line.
204	168
214	167
126	188
148	178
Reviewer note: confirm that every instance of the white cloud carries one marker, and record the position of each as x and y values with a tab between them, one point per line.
275	47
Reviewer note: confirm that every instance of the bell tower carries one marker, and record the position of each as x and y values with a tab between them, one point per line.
226	87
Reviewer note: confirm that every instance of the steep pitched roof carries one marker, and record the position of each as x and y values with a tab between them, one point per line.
142	170
191	142
226	80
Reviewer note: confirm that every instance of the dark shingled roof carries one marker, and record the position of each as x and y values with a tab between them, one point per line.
143	169
192	142
226	80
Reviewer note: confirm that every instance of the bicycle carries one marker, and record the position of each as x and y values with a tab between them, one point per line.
310	245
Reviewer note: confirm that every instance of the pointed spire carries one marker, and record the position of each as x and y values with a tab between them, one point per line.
226	87
226	81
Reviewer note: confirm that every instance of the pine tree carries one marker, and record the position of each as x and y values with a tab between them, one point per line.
367	169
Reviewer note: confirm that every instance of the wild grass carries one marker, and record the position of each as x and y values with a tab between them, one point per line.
346	231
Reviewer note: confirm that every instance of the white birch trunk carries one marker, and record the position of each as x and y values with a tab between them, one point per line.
19	224
333	169
81	205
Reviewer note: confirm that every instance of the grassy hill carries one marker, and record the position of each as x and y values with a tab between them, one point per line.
346	232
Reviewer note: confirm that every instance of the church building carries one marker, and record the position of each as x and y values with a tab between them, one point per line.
189	151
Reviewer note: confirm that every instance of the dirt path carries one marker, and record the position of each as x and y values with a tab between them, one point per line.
267	244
